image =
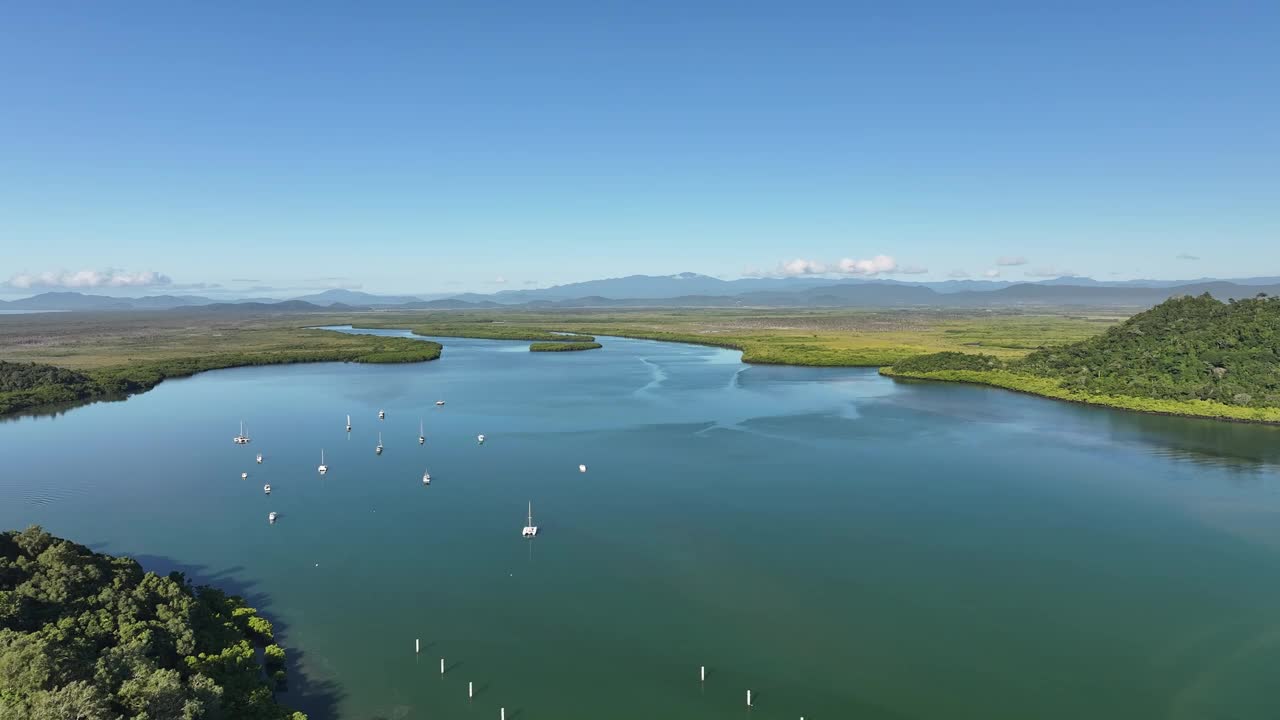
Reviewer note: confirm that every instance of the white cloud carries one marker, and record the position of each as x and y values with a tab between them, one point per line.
877	265
1011	260
500	280
1187	256
109	278
992	273
958	274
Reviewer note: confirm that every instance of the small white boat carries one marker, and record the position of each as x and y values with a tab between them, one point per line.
244	476
271	517
530	529
378	450
382	414
267	488
323	468
480	439
426	478
348	423
422	437
259	458
582	468
242	438
439	402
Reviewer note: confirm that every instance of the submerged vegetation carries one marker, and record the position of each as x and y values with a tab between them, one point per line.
88	636
1187	356
563	346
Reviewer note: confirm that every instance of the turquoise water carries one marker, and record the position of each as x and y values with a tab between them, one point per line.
843	545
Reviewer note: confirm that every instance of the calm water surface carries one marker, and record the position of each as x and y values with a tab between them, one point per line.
843	545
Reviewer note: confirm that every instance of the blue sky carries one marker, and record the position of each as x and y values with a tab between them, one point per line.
274	148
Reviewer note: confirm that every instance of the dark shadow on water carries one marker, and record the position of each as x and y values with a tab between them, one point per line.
319	699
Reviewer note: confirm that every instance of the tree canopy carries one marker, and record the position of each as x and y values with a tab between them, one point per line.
88	636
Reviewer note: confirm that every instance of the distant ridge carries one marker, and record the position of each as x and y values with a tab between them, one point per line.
638	291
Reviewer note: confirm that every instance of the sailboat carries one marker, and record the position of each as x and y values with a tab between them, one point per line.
323	468
530	529
267	488
271	517
259	458
426	478
422	437
382	414
348	423
242	438
244	476
480	439
378	449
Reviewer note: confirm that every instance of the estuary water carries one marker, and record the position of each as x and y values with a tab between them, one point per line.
841	544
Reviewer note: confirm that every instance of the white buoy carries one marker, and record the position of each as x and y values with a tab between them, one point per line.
441	666
702	676
470	691
748	698
417	645
582	468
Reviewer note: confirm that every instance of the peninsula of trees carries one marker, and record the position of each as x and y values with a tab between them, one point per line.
1186	356
88	636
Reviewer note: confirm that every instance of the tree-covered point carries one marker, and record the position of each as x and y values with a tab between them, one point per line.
26	385
563	346
1187	349
88	636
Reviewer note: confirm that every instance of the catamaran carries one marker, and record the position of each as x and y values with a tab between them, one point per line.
422	436
323	468
242	438
378	449
530	529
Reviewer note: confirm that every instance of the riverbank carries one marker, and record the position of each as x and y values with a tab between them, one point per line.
1053	390
124	380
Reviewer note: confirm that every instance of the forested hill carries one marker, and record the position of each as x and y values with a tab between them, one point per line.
1183	351
1189	348
87	636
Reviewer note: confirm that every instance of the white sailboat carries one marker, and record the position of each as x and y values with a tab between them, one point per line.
267	488
439	402
271	517
382	414
582	468
244	476
259	458
426	478
378	450
348	423
242	438
422	436
530	529
480	439
323	468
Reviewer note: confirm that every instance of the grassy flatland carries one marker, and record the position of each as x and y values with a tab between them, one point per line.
126	352
869	338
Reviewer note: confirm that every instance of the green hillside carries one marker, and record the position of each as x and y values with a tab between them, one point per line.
92	637
1188	355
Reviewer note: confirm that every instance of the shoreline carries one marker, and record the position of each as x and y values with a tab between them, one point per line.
1192	409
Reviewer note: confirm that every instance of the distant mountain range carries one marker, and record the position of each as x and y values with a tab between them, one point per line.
693	290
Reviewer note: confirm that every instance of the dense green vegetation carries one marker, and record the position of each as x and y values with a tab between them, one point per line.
25	385
87	636
563	346
1189	355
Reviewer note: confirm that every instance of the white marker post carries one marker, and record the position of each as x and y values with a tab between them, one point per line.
503	715
470	691
417	645
702	675
441	666
748	698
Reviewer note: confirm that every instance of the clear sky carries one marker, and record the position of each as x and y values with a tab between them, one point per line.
417	147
